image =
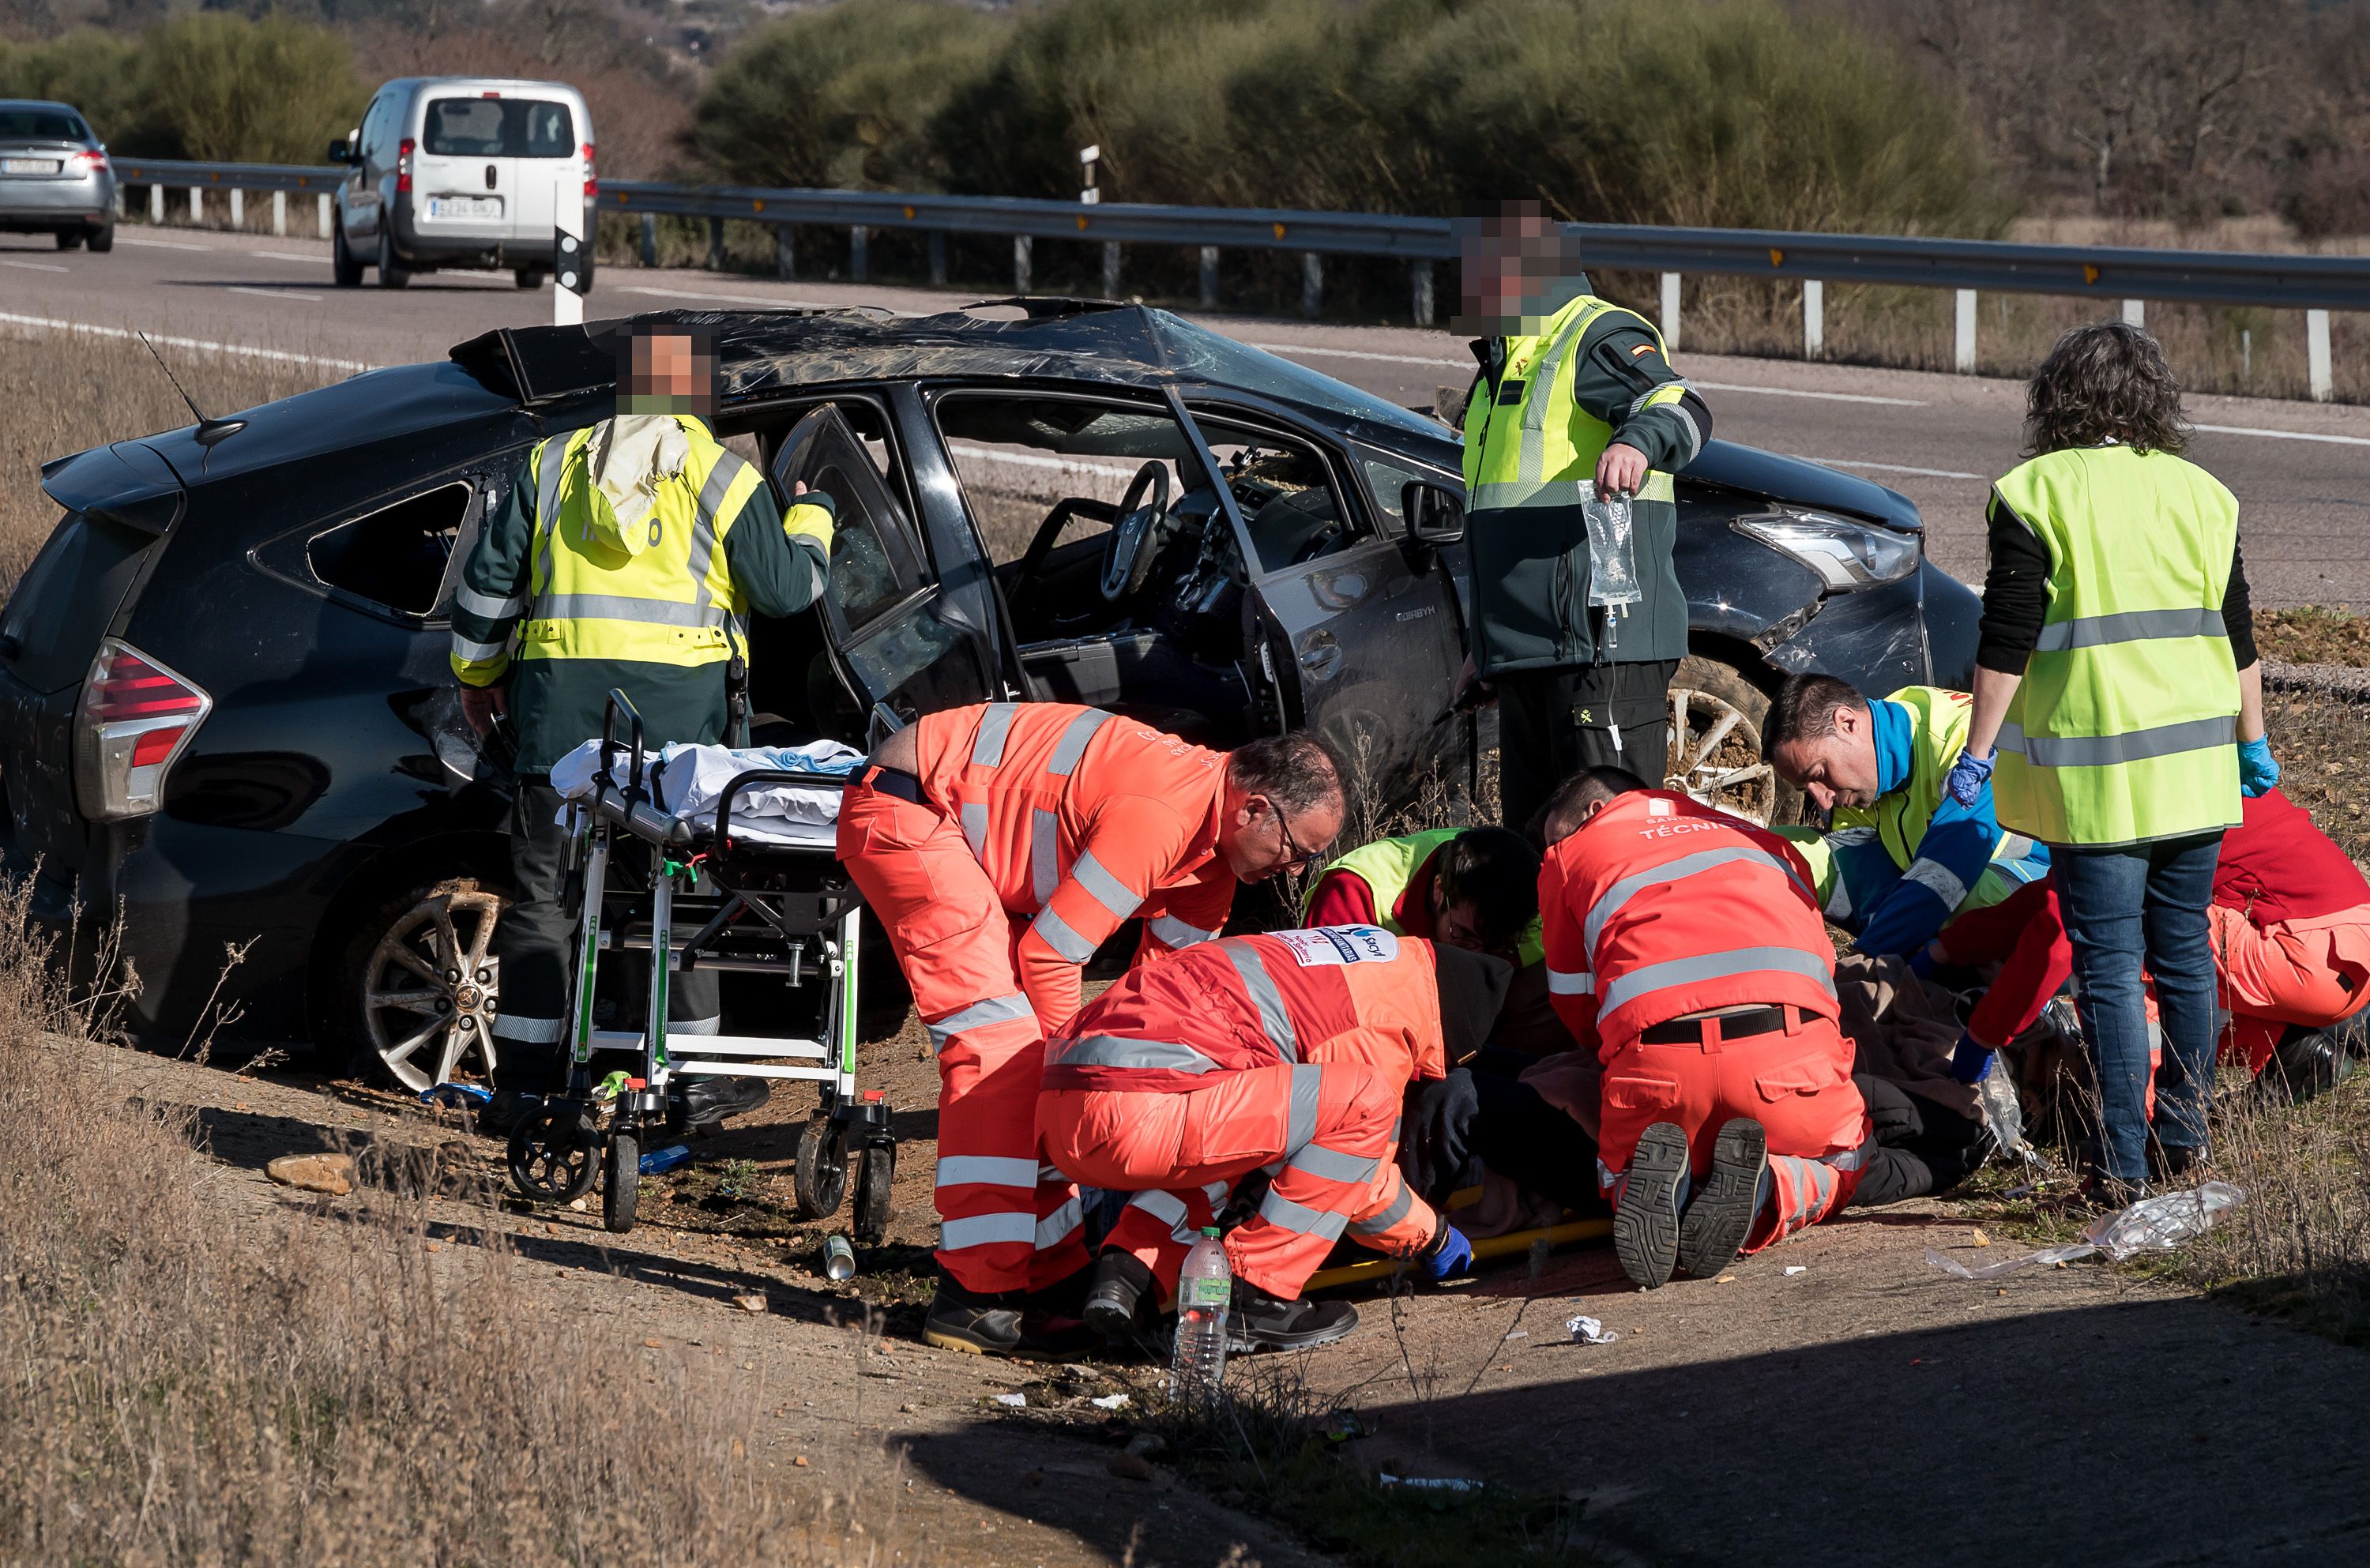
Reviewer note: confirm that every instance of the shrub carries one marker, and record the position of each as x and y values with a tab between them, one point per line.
270	91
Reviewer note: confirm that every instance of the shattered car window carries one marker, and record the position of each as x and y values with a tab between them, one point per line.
1205	355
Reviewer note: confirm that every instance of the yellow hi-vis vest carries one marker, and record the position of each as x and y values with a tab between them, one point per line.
2125	728
671	602
1388	865
1547	457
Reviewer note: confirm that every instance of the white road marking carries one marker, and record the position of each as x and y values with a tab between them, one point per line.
161	244
1799	392
288	256
36	266
203	345
2285	435
1885	468
273	293
1296	350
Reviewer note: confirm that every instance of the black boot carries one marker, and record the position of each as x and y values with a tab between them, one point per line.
506	1109
1719	1216
981	1323
1646	1219
1120	1297
2308	1062
707	1102
1257	1320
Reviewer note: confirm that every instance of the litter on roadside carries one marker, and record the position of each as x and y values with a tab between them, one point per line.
1108	1401
1793	1269
1016	1402
1589	1330
2151	1224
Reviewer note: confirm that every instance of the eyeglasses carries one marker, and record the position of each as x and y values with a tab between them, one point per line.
1296	855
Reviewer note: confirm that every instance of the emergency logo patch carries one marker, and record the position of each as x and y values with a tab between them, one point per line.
1321	946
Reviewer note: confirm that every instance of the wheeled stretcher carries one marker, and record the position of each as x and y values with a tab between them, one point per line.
678	894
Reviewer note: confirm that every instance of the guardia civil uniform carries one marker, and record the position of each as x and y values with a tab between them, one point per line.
561	601
1576	687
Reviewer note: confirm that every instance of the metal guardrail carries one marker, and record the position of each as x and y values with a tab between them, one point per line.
2317	284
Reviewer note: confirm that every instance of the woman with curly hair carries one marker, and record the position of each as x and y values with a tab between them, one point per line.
2118	691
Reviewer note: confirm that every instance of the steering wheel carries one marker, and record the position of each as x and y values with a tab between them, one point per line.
1129	555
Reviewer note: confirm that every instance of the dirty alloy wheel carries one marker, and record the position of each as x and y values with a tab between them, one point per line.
1714	752
428	987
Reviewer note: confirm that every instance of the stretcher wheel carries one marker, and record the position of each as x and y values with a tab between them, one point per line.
873	1176
621	1183
820	1177
554	1155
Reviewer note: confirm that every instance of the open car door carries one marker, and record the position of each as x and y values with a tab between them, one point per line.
884	614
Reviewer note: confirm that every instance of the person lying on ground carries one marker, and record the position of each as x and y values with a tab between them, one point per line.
1285	1053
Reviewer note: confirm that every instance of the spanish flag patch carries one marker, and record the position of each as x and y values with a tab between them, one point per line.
1641	349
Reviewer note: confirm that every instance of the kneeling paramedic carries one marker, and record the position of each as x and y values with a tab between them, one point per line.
629	556
1687	948
1000	845
1286	1053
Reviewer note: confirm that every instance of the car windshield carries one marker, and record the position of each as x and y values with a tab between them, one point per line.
40	125
500	128
1211	356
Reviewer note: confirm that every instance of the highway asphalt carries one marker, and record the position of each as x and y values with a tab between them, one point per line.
2301	472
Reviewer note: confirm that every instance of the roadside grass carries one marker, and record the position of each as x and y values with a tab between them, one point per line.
193	1380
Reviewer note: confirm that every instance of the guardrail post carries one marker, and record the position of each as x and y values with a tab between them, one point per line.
197	204
786	258
938	258
1208	277
1815	318
716	244
1670	311
321	211
1111	269
2135	313
1420	286
280	214
238	207
1020	248
859	253
2315	354
649	226
119	200
1312	284
157	205
1963	356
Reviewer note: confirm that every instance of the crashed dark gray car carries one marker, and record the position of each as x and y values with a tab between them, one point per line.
225	709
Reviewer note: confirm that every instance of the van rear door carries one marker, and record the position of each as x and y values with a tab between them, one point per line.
543	138
465	180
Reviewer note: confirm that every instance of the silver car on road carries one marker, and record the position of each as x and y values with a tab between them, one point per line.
54	177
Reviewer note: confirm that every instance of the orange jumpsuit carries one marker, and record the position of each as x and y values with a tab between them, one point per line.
1289	1052
1658	909
1042	826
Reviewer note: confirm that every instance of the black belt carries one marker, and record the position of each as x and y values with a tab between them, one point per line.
1733	1026
898	782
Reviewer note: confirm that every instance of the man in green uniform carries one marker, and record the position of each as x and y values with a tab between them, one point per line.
629	556
1577	629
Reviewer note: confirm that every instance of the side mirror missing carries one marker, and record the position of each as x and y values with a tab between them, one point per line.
1434	513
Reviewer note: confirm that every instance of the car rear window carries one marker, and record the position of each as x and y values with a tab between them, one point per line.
40	125
67	599
500	128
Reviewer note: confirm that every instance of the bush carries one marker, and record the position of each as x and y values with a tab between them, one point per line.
2328	194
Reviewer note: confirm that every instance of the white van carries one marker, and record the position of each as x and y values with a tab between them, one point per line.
461	171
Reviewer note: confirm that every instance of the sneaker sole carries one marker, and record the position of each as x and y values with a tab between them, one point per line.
1646	1220
1720	1216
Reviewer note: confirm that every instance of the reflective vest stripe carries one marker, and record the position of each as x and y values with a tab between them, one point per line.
987	751
1300	1119
1073	743
1273	1019
493	609
477	652
1717	966
618	607
1044	854
1122	1051
1569	983
2132	746
1608	902
1177	933
995	1009
1501	495
986	1230
1063	939
1055	1228
1531	461
1394	1212
986	1171
1332	1165
1277	1209
1937	879
974	827
1103	887
703	526
2129	626
550	476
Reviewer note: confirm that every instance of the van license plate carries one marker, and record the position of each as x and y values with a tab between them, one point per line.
464	207
28	166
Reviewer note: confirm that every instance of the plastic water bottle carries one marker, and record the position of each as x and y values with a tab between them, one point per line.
1205	1288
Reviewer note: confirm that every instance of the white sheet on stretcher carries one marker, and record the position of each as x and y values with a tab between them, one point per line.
691	779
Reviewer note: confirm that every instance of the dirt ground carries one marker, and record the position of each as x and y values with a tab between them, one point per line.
1833	1398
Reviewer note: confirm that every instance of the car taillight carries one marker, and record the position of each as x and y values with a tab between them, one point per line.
403	166
136	718
591	186
90	163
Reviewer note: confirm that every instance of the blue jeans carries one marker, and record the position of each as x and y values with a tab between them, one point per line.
2144	906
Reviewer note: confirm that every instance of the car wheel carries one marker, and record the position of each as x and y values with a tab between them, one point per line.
392	274
420	986
529	277
101	240
69	239
345	266
1714	752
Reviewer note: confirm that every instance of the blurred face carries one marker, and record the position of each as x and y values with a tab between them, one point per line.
1257	837
668	367
1837	769
1509	265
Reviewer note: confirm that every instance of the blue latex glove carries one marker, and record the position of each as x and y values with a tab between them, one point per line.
1968	776
1971	1061
2258	768
1449	1256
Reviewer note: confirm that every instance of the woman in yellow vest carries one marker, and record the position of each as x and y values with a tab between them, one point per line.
2118	692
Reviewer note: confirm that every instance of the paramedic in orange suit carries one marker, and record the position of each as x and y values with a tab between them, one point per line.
1000	845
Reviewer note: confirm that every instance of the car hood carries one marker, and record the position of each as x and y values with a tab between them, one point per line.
1804	483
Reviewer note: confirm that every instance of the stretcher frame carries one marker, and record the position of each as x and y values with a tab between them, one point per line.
760	908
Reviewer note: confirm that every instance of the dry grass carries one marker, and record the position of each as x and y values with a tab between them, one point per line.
194	1378
2300	1245
65	394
